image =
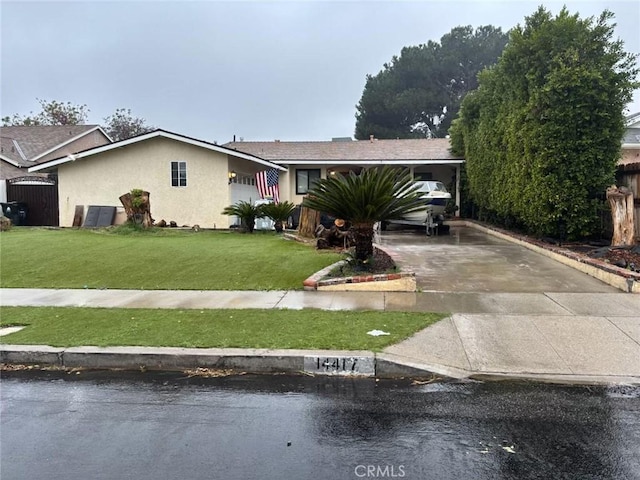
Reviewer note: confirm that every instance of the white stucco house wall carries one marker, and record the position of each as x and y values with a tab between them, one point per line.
188	179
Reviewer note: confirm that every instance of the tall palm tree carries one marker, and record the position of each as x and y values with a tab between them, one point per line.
377	194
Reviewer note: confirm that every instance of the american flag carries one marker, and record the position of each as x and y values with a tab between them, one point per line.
267	183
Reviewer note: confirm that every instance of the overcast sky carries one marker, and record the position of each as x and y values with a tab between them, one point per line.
258	70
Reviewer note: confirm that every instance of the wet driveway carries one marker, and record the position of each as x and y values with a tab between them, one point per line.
250	427
468	260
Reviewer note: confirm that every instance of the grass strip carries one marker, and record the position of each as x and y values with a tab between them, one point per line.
215	328
160	259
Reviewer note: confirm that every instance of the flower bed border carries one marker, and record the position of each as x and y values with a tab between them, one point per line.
388	282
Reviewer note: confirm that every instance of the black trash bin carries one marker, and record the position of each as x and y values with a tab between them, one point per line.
16	212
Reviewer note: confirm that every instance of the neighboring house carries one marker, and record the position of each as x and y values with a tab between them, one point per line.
22	147
190	181
426	159
629	165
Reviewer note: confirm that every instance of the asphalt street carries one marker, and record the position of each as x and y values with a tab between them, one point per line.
168	426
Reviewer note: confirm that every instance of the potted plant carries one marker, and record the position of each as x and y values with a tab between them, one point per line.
279	213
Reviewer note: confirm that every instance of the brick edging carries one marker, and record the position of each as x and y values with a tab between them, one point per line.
316	280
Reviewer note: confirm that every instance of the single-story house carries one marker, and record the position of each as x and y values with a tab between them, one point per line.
22	147
191	181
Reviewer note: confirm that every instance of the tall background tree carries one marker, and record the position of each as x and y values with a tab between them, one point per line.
119	126
417	94
542	134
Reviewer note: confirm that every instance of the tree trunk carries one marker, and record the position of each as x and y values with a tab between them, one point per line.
139	215
621	202
128	206
309	221
363	233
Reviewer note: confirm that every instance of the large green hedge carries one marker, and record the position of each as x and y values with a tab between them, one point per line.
542	133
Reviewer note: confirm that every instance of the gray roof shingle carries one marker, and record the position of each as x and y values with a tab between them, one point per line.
392	151
33	141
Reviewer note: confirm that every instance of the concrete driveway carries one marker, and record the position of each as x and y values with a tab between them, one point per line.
468	260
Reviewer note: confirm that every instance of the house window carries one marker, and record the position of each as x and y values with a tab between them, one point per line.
305	179
178	174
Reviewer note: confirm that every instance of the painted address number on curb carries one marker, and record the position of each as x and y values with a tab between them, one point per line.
339	365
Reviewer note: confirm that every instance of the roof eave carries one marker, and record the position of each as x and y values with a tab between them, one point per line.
147	136
12	162
448	161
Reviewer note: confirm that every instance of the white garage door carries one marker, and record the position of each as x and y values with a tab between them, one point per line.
243	187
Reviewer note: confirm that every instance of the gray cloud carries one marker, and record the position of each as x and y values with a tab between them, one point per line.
260	70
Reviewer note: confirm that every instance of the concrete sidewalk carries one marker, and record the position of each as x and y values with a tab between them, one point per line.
589	338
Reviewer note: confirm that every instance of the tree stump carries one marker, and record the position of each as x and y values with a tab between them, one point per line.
333	237
621	202
137	214
5	223
309	221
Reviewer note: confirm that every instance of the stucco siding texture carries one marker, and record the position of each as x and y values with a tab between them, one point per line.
102	178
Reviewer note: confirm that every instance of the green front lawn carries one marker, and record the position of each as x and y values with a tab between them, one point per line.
163	259
249	328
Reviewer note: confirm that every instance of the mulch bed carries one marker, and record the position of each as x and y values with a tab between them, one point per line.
627	258
623	257
380	263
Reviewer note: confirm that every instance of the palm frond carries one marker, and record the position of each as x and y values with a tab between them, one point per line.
377	194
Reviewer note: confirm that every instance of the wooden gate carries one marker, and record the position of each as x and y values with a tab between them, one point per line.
40	194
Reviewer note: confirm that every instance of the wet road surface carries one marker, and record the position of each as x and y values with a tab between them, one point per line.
468	260
143	426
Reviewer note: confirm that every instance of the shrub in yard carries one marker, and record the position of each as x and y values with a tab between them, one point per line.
246	212
542	133
279	213
376	195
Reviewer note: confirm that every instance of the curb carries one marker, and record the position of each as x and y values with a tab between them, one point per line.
335	363
327	362
307	362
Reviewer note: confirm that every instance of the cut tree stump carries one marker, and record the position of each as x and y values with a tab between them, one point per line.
621	202
139	215
309	221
